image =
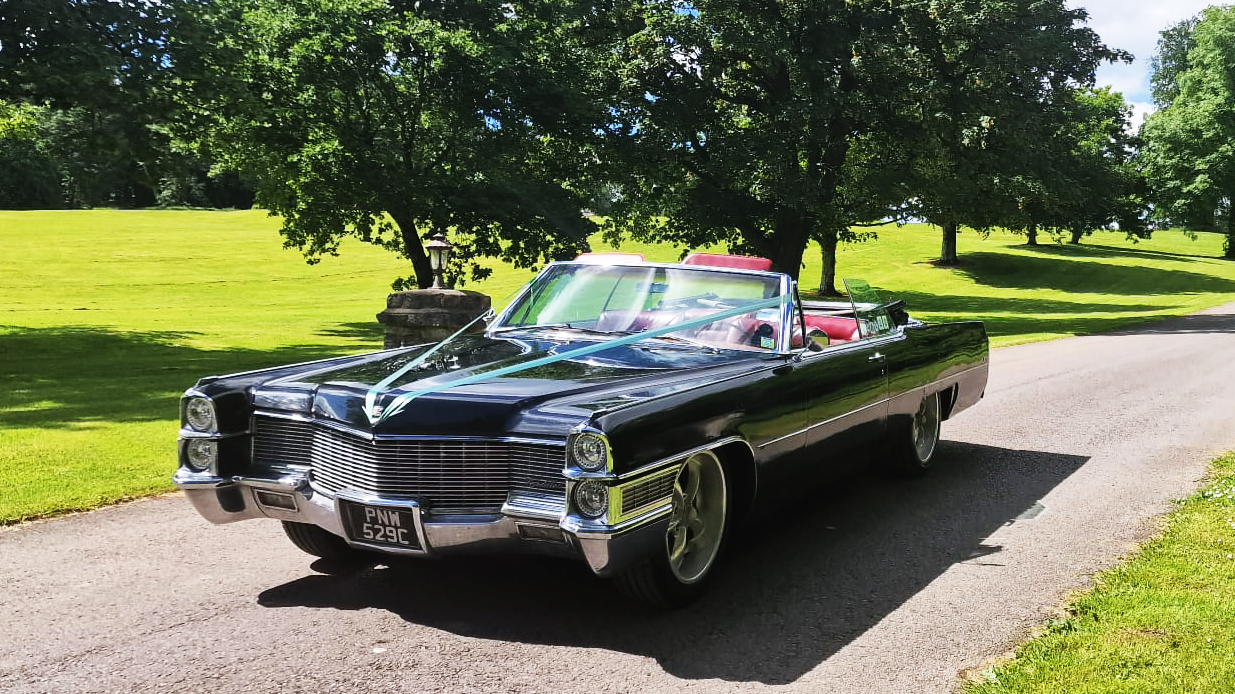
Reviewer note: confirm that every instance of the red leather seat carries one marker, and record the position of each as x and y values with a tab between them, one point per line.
741	262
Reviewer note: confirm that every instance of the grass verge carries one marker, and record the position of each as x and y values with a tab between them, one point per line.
106	316
1164	622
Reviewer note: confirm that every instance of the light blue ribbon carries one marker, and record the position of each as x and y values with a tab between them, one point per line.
400	402
370	398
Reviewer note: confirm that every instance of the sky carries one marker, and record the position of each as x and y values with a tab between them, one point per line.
1133	25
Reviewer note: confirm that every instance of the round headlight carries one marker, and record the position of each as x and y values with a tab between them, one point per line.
201	453
199	413
590	451
592	499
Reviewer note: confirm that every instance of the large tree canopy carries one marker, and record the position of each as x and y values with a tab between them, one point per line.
741	116
749	121
1189	153
391	120
1000	87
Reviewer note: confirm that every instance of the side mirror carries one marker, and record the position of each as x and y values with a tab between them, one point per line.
816	340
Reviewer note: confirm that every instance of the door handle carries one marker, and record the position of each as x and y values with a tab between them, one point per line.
875	357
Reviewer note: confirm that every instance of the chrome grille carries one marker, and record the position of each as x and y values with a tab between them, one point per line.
443	474
649	490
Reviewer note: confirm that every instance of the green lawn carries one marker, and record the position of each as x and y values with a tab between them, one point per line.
107	316
1162	623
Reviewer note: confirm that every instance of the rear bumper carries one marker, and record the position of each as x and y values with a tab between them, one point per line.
530	524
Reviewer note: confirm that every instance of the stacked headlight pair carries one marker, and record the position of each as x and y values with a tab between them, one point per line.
588	451
201	453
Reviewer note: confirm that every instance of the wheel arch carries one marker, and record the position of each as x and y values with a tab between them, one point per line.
738	460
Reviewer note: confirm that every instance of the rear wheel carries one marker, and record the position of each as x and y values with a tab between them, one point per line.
318	542
698	524
916	446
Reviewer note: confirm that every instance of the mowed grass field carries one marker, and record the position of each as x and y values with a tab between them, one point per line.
107	316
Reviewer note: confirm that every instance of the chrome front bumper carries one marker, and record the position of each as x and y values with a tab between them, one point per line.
527	523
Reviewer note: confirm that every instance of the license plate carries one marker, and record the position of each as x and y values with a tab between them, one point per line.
379	525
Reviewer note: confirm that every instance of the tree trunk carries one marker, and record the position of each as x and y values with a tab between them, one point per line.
947	256
414	250
1076	237
827	250
1032	232
1228	245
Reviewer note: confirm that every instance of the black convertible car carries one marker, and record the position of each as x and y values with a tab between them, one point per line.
623	412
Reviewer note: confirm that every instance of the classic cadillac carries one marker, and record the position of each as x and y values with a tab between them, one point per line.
623	412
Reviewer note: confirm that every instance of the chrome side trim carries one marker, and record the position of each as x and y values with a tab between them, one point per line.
679	456
825	422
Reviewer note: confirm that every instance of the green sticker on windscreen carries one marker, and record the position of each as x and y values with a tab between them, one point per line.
767	343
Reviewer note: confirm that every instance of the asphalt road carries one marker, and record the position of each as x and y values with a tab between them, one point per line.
868	585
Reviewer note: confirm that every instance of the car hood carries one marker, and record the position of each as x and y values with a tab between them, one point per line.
534	400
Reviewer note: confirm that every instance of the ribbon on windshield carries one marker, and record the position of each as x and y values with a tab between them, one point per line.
400	402
370	398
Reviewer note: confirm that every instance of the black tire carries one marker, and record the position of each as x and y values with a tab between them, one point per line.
678	572
915	446
318	542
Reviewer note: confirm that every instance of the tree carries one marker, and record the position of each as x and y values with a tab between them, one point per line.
101	69
395	120
28	173
1088	180
82	52
999	79
1171	60
1188	157
739	119
767	125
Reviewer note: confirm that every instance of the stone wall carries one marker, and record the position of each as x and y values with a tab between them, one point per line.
430	315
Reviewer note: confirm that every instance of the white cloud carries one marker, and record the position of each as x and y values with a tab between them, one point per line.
1134	25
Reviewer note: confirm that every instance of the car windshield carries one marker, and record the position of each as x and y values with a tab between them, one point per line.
673	304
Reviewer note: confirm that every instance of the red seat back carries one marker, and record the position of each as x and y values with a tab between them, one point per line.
742	262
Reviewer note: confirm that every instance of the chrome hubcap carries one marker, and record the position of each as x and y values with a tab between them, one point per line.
926	427
697	522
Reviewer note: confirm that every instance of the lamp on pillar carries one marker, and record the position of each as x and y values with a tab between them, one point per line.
439	255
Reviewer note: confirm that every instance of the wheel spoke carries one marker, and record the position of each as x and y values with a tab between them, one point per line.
692	481
695	525
678	549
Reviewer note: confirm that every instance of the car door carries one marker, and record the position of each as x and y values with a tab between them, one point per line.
849	381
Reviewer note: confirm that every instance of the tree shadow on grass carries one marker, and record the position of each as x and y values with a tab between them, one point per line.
794	589
1086	250
53	377
1064	274
960	306
372	332
1008	316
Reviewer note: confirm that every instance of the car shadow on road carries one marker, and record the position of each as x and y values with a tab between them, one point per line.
793	590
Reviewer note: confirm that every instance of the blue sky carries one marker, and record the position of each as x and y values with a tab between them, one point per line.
1133	25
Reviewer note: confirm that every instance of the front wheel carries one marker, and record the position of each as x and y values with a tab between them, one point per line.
698	524
916	446
318	542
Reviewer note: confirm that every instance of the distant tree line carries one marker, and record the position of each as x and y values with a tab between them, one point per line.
767	126
85	110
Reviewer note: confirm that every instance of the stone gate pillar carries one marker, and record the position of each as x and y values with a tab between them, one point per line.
430	315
